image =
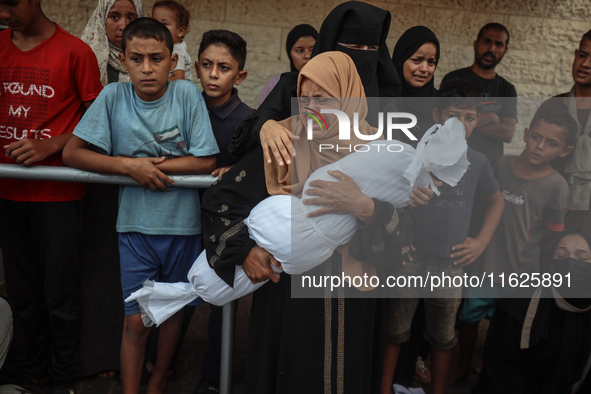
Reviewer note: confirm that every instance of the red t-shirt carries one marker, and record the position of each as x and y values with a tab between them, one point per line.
41	96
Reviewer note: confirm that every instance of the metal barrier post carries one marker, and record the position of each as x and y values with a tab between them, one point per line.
227	361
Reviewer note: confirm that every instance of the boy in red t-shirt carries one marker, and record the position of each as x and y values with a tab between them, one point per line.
47	77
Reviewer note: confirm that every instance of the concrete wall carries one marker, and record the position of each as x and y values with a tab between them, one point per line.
544	34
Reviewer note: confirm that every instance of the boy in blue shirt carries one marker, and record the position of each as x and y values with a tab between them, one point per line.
443	246
147	129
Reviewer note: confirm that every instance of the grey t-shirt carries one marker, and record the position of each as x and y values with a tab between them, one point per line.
531	206
444	221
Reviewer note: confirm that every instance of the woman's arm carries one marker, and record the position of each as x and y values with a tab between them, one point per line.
344	196
224	207
276	107
225	235
383	232
386	239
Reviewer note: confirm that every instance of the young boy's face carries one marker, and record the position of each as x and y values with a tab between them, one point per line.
468	117
219	72
149	63
544	142
168	18
17	14
582	64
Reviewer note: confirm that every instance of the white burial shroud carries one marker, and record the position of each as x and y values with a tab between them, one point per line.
384	170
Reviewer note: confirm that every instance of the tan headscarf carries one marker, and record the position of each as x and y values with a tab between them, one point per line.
95	35
336	73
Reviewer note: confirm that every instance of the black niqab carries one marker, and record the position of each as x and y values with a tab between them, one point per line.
360	23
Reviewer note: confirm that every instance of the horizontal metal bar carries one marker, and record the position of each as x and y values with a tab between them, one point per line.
68	174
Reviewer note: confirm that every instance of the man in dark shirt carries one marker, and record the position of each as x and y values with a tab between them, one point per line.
497	117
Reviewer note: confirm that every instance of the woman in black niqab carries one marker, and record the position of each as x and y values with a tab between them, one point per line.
352	23
357	23
290	339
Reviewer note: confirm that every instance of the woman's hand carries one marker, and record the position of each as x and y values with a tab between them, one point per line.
257	266
342	196
276	139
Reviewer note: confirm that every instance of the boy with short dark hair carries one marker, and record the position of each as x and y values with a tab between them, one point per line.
222	55
147	129
443	246
47	77
536	200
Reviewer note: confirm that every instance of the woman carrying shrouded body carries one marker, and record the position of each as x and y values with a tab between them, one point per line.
294	344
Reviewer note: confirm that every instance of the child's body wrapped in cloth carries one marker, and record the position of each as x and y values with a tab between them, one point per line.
384	170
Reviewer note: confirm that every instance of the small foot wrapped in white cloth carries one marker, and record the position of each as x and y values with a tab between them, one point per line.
158	301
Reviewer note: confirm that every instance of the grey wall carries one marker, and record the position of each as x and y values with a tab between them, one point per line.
544	34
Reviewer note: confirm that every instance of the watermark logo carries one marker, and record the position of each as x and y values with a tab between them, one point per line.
392	123
315	115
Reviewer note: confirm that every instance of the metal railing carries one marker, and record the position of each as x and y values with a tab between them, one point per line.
67	174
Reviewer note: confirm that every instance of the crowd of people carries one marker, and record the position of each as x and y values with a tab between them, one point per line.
122	100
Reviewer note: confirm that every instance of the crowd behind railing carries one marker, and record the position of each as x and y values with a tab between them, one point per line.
121	105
